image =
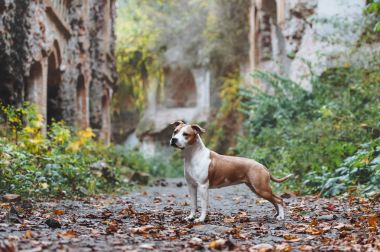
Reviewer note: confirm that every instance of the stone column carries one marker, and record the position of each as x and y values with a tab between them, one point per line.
105	132
252	38
36	90
280	13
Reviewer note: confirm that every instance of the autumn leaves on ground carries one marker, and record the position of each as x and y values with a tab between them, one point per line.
152	218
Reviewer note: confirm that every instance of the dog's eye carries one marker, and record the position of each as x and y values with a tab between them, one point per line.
176	131
185	134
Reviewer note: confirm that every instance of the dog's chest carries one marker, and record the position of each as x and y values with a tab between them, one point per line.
196	168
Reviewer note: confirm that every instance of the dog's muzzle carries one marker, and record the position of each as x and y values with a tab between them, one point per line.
173	142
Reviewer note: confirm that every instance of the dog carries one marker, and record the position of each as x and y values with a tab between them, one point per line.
206	169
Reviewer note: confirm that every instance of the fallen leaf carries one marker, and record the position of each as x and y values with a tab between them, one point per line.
106	214
58	212
313	231
28	234
306	248
291	238
221	244
372	221
331	207
143	219
113	227
129	211
68	234
314	223
142	230
325	240
284	247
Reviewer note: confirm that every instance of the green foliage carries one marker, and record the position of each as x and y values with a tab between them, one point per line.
57	163
64	162
373	8
136	58
61	162
294	131
359	172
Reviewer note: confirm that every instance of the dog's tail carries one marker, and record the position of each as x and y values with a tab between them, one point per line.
279	180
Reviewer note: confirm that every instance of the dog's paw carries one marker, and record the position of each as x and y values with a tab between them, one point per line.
189	218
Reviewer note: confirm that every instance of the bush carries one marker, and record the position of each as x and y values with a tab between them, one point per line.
64	162
359	172
310	133
55	163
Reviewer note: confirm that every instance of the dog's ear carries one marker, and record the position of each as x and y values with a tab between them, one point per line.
175	124
198	129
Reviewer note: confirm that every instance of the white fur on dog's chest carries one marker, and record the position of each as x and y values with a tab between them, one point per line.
196	166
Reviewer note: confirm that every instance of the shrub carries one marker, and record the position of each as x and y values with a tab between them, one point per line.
310	133
56	163
359	172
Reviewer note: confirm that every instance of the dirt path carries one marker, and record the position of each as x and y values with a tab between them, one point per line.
152	219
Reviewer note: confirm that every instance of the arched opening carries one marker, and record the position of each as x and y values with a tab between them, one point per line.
54	110
34	85
81	103
179	89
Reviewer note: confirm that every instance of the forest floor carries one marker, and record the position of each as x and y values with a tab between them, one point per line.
153	219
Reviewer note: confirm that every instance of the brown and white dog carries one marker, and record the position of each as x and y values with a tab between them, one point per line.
205	169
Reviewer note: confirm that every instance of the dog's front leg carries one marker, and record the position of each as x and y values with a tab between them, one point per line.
203	192
193	195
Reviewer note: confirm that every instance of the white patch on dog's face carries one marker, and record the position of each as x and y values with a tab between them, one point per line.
183	136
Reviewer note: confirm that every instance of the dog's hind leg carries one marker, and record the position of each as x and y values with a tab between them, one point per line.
267	194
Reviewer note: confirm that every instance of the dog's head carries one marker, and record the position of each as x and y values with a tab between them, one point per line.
184	134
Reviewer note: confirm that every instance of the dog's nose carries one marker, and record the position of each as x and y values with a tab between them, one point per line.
173	141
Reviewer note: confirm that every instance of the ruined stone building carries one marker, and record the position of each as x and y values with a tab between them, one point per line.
289	36
284	36
59	55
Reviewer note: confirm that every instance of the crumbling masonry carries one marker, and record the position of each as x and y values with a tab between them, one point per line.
59	54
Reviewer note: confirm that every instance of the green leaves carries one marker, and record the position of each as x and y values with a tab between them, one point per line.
373	7
361	172
38	164
312	133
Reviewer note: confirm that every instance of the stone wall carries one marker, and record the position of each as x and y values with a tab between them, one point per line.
59	54
289	36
